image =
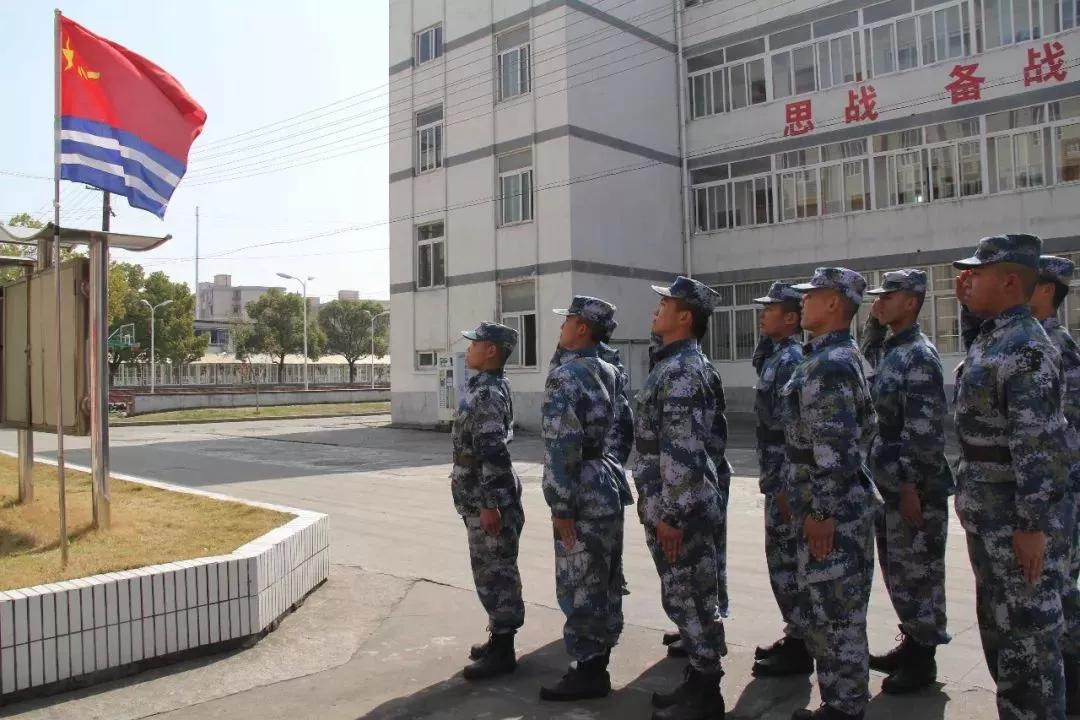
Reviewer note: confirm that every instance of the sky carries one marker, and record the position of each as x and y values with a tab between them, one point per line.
314	72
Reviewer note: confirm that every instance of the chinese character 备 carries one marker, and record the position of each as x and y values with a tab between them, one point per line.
862	105
799	118
966	85
1046	65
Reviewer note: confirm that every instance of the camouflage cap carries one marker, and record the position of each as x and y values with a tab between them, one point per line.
778	293
695	294
599	312
1056	269
850	283
908	279
1019	248
505	337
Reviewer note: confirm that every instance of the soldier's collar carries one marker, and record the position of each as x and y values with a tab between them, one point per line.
669	350
497	372
1051	322
567	356
1004	318
834	337
907	335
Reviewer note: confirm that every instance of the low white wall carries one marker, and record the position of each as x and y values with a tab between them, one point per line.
77	632
142	404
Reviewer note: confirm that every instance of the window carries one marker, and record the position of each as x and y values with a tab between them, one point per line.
1058	15
517	303
426	359
429	44
429	139
728	88
843	186
741	202
818	66
900	177
1016	160
921	39
430	255
514	50
515	187
1015	21
955	167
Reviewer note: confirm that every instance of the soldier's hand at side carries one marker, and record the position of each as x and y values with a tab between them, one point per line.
1030	549
910	505
820	535
491	521
670	540
566	530
785	508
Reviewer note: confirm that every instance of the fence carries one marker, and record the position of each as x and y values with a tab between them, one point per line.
130	375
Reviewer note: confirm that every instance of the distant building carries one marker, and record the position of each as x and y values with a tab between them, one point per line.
220	300
354	296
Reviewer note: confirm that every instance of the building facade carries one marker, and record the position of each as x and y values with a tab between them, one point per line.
869	134
221	301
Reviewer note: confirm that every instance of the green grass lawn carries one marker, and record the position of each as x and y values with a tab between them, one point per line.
250	413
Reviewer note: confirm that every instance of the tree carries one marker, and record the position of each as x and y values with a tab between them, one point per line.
11	274
175	338
347	324
126	281
278	329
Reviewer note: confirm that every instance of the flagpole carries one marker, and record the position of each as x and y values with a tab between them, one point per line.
56	277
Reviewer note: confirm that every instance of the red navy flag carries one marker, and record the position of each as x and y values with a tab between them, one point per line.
126	125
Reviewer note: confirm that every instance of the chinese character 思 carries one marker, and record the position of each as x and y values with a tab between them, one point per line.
1046	65
862	105
799	118
965	85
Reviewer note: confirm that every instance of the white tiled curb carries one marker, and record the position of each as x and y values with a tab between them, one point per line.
75	632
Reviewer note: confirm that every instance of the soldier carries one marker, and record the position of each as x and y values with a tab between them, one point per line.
678	496
487	495
1055	274
907	459
1012	476
585	417
829	421
780	351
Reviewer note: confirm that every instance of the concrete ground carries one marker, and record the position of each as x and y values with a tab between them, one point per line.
401	573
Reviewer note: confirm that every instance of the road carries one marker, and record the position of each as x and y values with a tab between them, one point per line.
401	576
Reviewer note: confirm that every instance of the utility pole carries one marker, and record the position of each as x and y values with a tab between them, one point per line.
99	371
196	262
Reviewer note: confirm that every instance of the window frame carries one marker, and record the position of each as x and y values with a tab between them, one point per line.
436	33
436	128
430	243
724	71
519	318
967	31
524	71
522	202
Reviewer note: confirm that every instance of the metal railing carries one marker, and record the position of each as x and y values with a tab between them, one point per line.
238	374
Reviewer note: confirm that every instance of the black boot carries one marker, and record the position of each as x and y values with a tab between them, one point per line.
891	661
824	713
479	650
498	659
761	653
583	681
917	670
792	658
698	698
1072	684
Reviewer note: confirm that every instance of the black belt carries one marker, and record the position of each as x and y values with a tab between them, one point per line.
801	456
766	436
986	453
647	447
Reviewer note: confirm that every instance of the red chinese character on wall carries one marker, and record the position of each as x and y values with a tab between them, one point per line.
799	118
1047	65
965	85
861	105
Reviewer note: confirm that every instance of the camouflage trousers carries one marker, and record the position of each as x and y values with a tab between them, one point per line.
781	557
589	585
1070	596
913	566
833	597
495	570
689	593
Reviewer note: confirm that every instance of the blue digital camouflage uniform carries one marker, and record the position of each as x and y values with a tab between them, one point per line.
718	453
774	371
1060	270
909	447
484	478
1012	477
829	421
585	413
677	483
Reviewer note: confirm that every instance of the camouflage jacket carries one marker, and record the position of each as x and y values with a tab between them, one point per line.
776	370
909	396
829	422
673	431
583	401
718	436
623	431
483	476
1070	364
1008	401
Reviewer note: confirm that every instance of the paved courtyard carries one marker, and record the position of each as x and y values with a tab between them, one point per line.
401	578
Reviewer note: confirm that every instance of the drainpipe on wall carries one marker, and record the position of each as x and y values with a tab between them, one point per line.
684	184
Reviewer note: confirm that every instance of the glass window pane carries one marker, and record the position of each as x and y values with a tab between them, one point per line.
523	70
528	339
781	75
438	264
843	60
803	59
882	198
515	323
806	193
1001	164
832	189
856	186
1068	14
744	203
907	45
948	324
856	51
718	199
701	209
825	79
883	50
970	168
738	87
941	34
526	196
787	196
926	26
1029	159
756	69
721	332
1068	153
762	200
719	96
423	270
954	33
699	99
942	173
429	232
745	333
910	178
1021	20
518	296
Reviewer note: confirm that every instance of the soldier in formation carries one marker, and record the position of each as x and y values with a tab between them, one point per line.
907	460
